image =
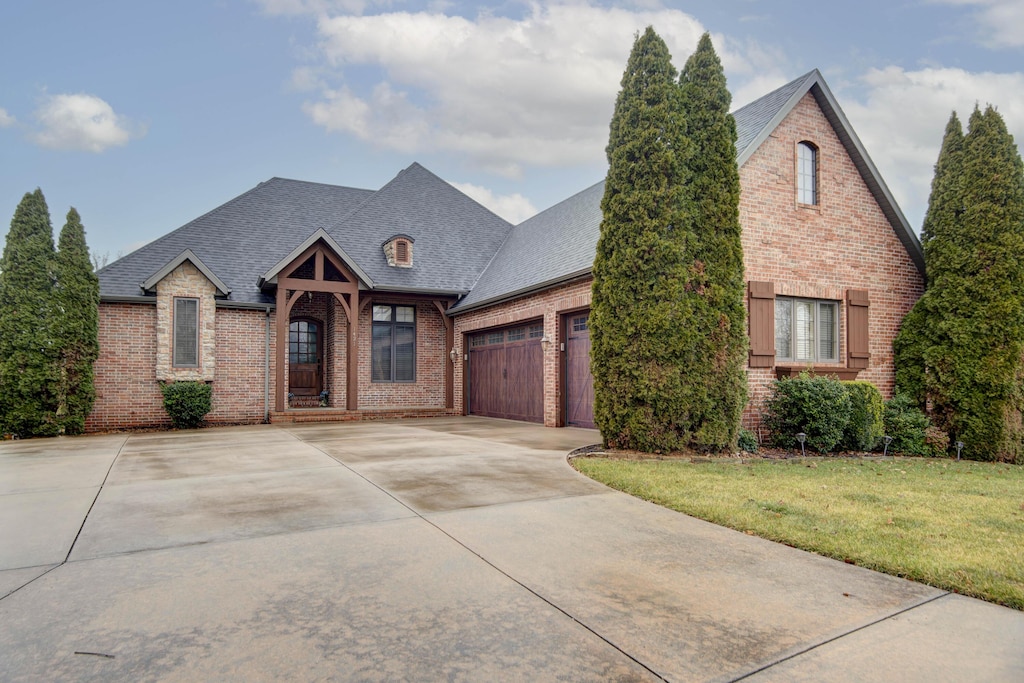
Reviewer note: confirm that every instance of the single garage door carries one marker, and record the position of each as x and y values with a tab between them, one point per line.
579	383
506	373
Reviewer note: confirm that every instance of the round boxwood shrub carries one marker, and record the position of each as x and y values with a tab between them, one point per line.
911	430
186	402
865	427
747	441
817	406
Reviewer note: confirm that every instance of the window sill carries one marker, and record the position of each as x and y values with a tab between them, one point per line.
845	374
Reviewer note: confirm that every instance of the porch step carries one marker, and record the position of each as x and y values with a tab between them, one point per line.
295	415
304	402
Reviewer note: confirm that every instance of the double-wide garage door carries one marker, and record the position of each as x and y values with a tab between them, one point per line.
506	373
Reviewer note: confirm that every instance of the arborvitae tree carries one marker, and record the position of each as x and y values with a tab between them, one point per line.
640	271
917	333
717	326
76	325
28	354
974	304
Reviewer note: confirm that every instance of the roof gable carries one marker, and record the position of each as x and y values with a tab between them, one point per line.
757	120
149	285
270	277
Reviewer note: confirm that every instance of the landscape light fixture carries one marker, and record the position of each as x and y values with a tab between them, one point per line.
959	447
801	437
888	440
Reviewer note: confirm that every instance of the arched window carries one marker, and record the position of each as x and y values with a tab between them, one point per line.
806	173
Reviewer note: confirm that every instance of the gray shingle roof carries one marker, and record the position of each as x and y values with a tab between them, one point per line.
561	242
554	245
241	240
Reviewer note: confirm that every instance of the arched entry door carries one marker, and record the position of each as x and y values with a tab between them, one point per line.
305	355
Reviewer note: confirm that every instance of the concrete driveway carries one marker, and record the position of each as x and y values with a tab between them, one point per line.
451	549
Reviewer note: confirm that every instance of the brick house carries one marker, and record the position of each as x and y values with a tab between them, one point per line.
304	301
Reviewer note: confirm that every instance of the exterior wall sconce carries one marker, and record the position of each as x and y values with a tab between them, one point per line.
544	343
801	437
453	355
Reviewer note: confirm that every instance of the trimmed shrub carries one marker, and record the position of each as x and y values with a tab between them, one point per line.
747	441
907	426
187	403
817	406
865	427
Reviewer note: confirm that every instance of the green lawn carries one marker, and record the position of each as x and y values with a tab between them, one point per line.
954	525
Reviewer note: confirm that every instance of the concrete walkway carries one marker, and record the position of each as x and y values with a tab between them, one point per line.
421	550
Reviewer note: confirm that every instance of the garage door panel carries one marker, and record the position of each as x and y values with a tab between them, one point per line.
525	381
506	373
486	386
579	389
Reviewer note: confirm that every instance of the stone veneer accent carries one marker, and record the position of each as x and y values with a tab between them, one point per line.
185	281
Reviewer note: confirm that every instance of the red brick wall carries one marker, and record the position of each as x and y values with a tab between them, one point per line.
845	242
548	306
127	391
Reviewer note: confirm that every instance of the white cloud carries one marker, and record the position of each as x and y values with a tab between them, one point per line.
1002	21
903	115
515	208
506	92
82	122
6	119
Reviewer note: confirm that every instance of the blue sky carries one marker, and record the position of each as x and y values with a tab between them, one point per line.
146	115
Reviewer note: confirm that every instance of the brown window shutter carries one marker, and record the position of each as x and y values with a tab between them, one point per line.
857	305
762	324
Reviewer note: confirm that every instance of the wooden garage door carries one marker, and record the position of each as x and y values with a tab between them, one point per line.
506	373
579	383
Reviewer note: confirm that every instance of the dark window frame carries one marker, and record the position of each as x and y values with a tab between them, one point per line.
807	180
395	327
179	319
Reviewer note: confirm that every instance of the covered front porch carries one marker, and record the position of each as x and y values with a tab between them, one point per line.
346	352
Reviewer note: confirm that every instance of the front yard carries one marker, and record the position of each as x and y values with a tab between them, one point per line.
958	526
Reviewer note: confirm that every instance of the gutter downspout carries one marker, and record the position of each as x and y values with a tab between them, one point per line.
266	371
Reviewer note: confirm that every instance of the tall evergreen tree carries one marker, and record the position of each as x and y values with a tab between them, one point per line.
974	305
917	332
717	326
76	325
640	272
28	365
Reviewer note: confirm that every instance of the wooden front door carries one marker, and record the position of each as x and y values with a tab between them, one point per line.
506	373
305	345
579	383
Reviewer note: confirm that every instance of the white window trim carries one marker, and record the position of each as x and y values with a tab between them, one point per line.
789	355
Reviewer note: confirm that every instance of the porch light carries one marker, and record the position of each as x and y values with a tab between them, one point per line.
453	355
801	437
544	343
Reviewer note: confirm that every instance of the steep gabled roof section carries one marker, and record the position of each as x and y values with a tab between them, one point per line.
455	236
554	246
756	121
150	284
239	240
249	236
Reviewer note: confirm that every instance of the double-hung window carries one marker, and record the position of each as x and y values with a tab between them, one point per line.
186	332
393	353
806	330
